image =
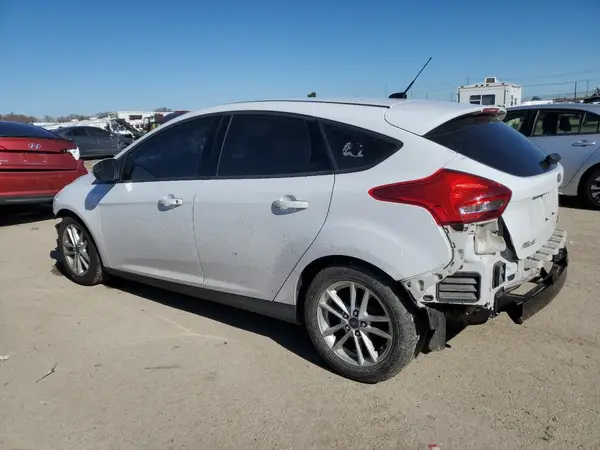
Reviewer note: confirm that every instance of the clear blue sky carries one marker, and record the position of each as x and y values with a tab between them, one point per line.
86	56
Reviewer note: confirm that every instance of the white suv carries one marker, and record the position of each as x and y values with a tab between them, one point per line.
371	222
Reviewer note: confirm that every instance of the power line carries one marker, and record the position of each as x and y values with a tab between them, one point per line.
595	71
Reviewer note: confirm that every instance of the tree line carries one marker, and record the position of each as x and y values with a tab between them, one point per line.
24	118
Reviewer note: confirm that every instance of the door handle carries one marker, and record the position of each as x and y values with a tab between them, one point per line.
170	202
583	143
288	202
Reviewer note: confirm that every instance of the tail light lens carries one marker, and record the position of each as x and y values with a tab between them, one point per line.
451	197
74	152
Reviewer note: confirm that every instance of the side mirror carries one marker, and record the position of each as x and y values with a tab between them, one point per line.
106	171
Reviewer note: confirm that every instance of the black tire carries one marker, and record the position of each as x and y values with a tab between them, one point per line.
405	337
95	271
585	191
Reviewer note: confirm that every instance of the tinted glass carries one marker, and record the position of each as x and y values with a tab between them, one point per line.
172	154
78	132
270	145
590	123
552	123
98	132
15	129
487	140
355	150
516	119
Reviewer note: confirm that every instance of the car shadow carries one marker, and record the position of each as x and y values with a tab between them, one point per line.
24	214
291	337
573	203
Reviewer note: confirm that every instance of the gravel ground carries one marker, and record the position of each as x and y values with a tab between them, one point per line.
132	367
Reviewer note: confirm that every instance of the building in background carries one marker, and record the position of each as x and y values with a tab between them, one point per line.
490	92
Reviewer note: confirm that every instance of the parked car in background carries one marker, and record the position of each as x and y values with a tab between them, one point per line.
572	131
35	163
94	142
371	222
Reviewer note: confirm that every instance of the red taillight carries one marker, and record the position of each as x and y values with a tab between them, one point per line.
451	197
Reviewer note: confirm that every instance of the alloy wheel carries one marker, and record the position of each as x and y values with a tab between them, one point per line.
594	187
354	323
75	250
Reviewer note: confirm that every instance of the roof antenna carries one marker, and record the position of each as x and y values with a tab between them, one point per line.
402	95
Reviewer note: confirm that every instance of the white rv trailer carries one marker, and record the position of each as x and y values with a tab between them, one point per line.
133	118
490	92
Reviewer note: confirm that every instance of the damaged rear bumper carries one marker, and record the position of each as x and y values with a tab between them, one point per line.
521	307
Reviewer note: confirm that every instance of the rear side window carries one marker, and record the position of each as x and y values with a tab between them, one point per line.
591	123
489	141
267	145
14	129
357	150
552	123
98	132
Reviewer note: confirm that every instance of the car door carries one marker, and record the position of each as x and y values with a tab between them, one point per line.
255	220
559	131
147	217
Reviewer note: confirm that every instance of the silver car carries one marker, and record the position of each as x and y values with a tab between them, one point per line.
570	130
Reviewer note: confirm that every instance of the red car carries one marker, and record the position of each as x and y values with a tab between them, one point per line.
35	163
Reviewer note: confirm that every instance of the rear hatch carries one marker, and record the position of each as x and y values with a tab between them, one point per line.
489	148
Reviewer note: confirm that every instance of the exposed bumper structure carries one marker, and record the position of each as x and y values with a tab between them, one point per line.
521	307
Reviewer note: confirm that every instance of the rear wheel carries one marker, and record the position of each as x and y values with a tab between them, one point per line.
590	189
359	324
79	255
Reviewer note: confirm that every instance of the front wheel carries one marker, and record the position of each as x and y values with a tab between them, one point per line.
79	255
359	324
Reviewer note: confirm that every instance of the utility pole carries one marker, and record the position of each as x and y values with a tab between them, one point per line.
587	88
575	93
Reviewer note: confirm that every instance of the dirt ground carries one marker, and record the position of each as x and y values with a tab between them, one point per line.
132	367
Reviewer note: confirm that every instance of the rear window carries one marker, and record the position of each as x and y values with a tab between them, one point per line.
16	129
487	140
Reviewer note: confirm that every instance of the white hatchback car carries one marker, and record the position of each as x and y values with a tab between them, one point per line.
373	223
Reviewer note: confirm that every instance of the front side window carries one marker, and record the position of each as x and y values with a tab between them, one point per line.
554	123
172	154
355	150
265	145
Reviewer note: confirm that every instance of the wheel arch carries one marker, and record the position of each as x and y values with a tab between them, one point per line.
313	268
66	212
